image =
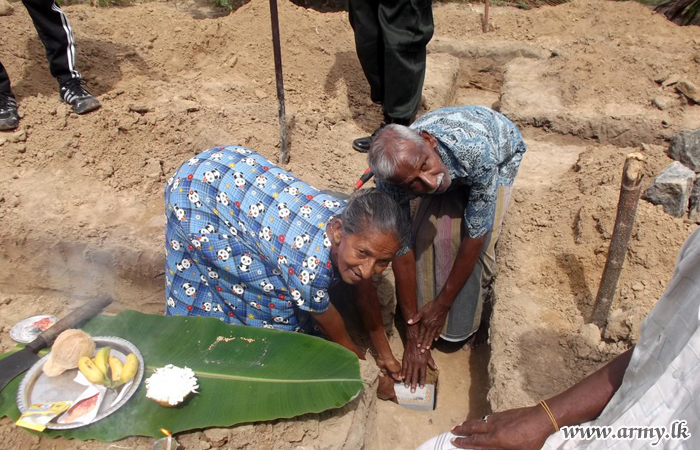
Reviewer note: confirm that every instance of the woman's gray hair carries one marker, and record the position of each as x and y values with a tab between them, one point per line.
389	142
374	210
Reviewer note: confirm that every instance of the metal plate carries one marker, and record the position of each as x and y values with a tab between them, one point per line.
25	331
36	387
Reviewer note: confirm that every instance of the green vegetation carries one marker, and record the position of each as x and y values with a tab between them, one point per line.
682	12
230	5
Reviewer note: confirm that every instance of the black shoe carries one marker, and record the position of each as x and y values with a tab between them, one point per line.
362	144
9	117
73	93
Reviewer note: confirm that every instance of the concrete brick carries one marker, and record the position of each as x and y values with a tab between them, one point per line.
685	147
672	188
694	214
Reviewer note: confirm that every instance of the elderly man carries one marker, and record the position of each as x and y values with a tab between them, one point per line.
462	161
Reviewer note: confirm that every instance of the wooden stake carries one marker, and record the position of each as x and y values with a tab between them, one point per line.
630	189
485	19
276	49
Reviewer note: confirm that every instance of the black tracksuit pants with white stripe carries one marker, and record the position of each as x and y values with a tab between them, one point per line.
55	33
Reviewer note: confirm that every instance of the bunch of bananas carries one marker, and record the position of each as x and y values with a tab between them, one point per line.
107	369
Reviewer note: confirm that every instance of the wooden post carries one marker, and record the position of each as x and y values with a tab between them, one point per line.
630	189
485	19
276	50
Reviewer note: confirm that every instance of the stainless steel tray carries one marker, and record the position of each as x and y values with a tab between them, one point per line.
37	387
25	332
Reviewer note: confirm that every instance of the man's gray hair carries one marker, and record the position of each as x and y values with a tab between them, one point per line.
374	210
390	142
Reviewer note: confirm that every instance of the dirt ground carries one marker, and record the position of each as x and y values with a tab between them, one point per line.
81	196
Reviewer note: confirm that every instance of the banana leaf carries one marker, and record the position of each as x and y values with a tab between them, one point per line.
245	374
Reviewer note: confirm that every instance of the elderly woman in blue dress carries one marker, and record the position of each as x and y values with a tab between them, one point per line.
250	244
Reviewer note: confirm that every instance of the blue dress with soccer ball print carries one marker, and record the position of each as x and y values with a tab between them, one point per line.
246	242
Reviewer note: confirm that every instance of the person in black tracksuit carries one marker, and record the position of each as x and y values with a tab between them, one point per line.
391	38
56	34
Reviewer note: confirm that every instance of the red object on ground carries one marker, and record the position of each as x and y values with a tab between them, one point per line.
43	324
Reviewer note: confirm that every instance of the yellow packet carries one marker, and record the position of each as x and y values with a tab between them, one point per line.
39	415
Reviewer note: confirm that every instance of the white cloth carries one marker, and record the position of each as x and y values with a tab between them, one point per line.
439	442
662	382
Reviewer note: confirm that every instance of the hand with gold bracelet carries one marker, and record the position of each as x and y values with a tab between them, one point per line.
528	428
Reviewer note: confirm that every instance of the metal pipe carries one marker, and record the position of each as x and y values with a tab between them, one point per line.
276	48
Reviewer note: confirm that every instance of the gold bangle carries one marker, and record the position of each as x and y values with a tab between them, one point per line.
551	416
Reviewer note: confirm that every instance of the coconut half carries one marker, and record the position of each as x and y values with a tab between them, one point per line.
67	349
